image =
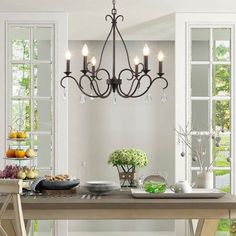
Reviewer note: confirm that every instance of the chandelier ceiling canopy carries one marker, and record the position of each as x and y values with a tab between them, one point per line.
139	79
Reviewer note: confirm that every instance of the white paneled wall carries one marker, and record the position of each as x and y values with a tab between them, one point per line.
98	127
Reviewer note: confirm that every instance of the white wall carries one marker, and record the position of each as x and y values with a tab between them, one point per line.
98	127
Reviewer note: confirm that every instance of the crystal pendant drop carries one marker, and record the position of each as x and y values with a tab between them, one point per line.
64	94
114	99
148	98
82	99
163	96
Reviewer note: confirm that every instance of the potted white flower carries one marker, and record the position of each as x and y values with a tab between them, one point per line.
126	161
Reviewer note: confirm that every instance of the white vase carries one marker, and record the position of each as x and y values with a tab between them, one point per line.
204	179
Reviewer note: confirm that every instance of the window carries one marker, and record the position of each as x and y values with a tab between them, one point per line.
209	103
30	76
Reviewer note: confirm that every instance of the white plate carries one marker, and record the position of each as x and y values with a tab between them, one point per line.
196	193
100	183
100	189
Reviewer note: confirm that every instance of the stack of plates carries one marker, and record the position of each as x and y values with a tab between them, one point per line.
100	187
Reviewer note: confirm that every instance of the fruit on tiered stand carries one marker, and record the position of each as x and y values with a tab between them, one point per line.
30	153
10	153
19	153
17	172
27	173
9	172
21	134
12	134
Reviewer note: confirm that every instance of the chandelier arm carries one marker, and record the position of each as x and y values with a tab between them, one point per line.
138	85
126	50
127	95
121	93
151	82
97	94
77	83
61	82
98	90
126	69
162	78
102	69
104	45
95	88
120	16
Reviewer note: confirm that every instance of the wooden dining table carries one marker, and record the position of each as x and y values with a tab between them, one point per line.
121	205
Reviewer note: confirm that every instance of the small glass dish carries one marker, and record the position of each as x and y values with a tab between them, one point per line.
155	186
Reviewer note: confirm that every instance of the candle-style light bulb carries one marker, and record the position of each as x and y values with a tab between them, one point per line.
136	61
160	56
68	55
85	50
146	50
93	61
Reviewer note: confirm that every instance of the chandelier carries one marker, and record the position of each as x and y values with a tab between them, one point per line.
138	76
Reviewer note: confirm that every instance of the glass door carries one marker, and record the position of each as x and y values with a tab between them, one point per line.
30	97
209	103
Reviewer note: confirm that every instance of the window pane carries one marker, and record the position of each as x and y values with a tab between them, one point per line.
222	180
222	152
42	80
20	43
200	44
42	43
43	227
21	109
221	44
43	146
200	80
221	80
200	117
20	80
201	150
42	115
221	115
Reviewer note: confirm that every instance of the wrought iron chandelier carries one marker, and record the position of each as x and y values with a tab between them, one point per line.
92	75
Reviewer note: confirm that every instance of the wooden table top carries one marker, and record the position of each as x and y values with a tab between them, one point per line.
122	200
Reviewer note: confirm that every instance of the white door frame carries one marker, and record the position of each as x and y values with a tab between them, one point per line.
182	21
60	21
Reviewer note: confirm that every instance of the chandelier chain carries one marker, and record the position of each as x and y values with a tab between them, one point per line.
114	3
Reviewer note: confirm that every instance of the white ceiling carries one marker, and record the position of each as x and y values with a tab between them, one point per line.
144	19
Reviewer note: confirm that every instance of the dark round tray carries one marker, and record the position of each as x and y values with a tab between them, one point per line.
58	185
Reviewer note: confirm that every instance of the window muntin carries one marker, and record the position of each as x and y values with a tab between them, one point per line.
209	83
30	88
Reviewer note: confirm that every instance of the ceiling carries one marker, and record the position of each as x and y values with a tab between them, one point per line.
144	19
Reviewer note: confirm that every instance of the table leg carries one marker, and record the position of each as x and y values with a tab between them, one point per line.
206	227
8	226
191	229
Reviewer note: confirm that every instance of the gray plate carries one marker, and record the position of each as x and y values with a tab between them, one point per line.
59	185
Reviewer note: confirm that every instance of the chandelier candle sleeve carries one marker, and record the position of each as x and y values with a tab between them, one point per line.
68	57
136	62
93	61
146	53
